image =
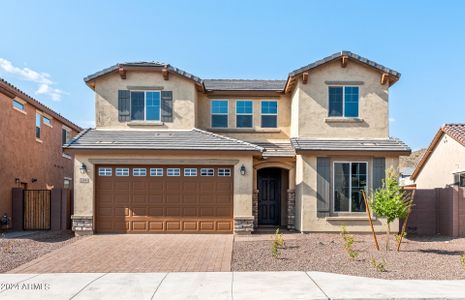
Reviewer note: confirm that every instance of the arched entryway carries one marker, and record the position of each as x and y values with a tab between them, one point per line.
272	206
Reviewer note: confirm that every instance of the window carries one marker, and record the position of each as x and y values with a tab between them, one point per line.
224	172
207	172
38	116
139	172
65	135
459	179
173	172
145	106
219	113
19	105
244	114
47	120
156	171
190	172
67	183
104	171
269	114
122	171
350	179
343	101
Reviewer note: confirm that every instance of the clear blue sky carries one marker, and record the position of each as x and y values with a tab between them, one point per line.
424	40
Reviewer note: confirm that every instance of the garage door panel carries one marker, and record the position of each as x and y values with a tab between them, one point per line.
164	204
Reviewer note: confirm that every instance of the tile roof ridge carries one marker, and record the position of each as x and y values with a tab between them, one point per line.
261	149
82	133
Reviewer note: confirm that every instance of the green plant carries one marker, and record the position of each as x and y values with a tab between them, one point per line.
278	242
348	242
398	236
462	259
390	202
380	266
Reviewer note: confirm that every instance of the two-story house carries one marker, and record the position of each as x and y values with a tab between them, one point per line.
31	138
174	153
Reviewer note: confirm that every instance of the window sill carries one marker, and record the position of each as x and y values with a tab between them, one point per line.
350	218
245	130
343	120
19	110
145	123
39	140
51	126
64	155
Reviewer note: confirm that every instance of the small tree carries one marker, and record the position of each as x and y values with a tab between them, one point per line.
390	201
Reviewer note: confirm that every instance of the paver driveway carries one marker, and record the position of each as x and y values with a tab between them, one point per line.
138	253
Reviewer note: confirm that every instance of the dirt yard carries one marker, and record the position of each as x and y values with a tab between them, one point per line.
17	251
419	258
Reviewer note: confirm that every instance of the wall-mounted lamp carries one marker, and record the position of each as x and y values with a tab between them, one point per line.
17	181
243	170
33	180
83	168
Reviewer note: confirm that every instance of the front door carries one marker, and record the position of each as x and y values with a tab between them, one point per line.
269	193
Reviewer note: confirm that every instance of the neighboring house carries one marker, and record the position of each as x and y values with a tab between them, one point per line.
174	153
404	176
443	163
31	136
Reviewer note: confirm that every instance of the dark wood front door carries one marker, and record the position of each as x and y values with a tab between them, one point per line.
269	193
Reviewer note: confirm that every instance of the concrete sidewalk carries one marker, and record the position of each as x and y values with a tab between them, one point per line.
222	285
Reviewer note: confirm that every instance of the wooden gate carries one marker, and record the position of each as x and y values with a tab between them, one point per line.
36	210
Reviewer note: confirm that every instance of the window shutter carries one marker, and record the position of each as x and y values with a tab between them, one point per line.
166	106
322	186
379	172
124	106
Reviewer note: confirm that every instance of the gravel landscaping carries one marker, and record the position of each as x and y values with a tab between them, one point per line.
419	258
17	251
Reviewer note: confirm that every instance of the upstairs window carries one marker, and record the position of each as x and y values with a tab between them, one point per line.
65	135
38	117
343	101
459	179
47	121
18	105
269	114
219	113
145	106
244	114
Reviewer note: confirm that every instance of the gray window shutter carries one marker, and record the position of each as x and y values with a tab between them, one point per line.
124	104
323	203
379	172
166	106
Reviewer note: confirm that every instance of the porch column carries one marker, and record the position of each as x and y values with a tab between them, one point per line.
255	208
291	209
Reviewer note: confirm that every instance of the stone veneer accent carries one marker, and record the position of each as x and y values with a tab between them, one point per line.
83	225
291	209
255	208
243	225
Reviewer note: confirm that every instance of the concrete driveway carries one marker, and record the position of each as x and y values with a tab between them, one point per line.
138	253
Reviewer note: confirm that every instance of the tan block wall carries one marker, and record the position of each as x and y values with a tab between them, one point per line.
106	99
84	192
306	196
448	157
311	103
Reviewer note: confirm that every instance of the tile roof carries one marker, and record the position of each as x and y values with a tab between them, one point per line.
279	149
194	139
349	54
381	145
8	88
243	85
455	131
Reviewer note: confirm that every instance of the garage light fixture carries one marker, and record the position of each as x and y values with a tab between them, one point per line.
83	168
242	170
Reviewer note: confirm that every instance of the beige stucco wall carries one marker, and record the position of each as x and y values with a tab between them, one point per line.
256	133
306	180
447	158
311	103
106	98
84	192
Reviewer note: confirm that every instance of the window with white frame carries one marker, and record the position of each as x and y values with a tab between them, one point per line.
343	101
139	172
219	113
122	171
244	114
173	172
19	105
67	183
38	118
190	172
104	171
207	172
47	120
269	114
459	179
146	105
156	171
65	135
350	179
224	172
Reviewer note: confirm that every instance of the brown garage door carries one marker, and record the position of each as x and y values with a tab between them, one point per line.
158	199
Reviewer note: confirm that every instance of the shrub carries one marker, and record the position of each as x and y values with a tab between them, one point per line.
278	242
462	259
380	266
348	243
